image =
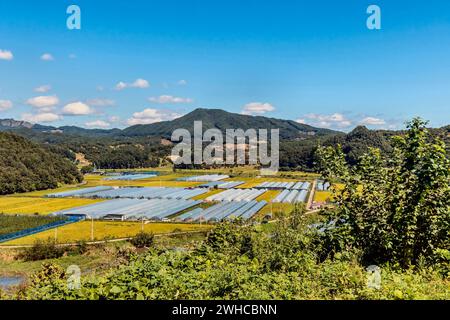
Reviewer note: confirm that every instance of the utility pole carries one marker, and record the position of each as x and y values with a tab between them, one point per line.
92	229
56	234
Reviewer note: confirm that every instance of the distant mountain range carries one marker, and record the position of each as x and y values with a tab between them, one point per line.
147	146
211	118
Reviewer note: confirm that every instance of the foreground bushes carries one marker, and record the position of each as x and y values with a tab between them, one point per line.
245	263
394	209
42	250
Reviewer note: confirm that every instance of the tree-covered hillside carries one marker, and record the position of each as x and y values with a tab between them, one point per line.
26	166
223	120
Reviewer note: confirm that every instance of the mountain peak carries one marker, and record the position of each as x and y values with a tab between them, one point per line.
222	120
11	123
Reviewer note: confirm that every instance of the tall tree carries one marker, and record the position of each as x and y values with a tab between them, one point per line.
394	209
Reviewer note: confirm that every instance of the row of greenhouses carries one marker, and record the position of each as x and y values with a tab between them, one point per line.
291	196
221	184
148	193
206	178
300	185
322	185
224	211
130	177
79	192
131	209
236	195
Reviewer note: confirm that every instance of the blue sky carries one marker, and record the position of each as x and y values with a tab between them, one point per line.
146	61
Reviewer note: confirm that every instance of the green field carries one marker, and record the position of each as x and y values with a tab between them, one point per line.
10	224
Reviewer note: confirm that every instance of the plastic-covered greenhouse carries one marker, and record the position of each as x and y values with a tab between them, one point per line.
131	209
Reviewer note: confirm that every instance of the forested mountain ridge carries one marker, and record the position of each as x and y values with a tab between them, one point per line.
211	118
222	120
26	166
140	145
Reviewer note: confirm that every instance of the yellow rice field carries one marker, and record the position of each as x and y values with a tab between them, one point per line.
160	181
268	196
206	195
276	209
322	196
30	205
105	230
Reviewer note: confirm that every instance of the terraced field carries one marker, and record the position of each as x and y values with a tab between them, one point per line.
31	205
105	230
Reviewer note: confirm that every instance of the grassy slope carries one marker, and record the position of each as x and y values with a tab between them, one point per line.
98	258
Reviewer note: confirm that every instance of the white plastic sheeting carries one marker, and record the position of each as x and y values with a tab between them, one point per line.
131	209
322	185
291	196
147	193
224	211
208	177
236	195
131	177
284	185
78	192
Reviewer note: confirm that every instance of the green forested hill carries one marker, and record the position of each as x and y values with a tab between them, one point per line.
26	166
140	145
222	120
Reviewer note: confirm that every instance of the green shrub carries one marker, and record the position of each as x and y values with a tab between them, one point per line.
395	209
81	247
143	240
42	250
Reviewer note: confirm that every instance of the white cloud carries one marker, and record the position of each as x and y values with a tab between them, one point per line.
114	119
5	105
72	56
6	55
41	117
77	109
138	83
334	120
372	121
182	82
165	99
257	108
43	89
151	116
43	101
47	57
302	121
98	102
121	85
97	124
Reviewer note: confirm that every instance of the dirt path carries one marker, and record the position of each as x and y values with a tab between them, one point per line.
311	195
